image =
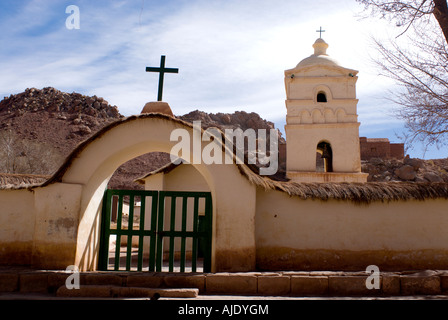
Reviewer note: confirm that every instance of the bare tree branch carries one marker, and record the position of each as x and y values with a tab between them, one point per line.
420	67
414	16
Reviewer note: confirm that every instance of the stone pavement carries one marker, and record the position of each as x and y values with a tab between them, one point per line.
28	284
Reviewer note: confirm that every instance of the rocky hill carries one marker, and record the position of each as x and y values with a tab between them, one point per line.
238	119
408	169
57	119
40	127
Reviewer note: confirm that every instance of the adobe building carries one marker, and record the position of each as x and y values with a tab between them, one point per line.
380	148
321	117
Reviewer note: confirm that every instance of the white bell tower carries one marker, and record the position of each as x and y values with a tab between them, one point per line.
322	128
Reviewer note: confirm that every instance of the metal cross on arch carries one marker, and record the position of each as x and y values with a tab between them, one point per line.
162	70
320	32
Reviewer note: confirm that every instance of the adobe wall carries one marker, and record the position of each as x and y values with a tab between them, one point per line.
380	148
296	234
183	178
397	150
39	226
58	224
16	226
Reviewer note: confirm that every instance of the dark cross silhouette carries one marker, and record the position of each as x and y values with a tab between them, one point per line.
162	70
320	32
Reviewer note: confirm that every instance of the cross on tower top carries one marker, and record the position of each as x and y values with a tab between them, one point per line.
162	70
320	32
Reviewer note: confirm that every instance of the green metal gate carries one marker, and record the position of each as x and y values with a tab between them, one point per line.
156	231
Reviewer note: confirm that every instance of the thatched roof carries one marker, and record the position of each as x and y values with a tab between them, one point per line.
355	192
365	192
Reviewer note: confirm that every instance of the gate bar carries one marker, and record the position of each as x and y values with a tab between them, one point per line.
160	224
130	227
184	229
172	228
118	239
153	238
141	229
207	264
194	253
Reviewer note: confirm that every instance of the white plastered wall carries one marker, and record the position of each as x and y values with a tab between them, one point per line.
17	220
303	141
297	234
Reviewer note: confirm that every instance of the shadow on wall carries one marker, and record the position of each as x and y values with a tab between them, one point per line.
89	257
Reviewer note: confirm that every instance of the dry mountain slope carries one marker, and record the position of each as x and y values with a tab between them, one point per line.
55	122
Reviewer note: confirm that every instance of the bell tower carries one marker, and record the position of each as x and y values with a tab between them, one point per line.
322	128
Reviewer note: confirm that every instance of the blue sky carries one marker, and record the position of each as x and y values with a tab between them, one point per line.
231	54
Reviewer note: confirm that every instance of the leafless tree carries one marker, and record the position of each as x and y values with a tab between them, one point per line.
8	152
19	155
419	64
407	12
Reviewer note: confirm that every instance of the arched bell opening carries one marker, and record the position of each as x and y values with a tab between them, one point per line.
321	97
324	157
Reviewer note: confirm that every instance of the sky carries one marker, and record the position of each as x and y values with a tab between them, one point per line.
231	54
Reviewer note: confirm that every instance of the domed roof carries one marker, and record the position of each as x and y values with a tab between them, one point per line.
320	56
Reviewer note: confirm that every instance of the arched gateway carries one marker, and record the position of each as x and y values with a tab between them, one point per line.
84	177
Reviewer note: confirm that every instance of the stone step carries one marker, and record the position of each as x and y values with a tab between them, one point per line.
104	291
285	283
